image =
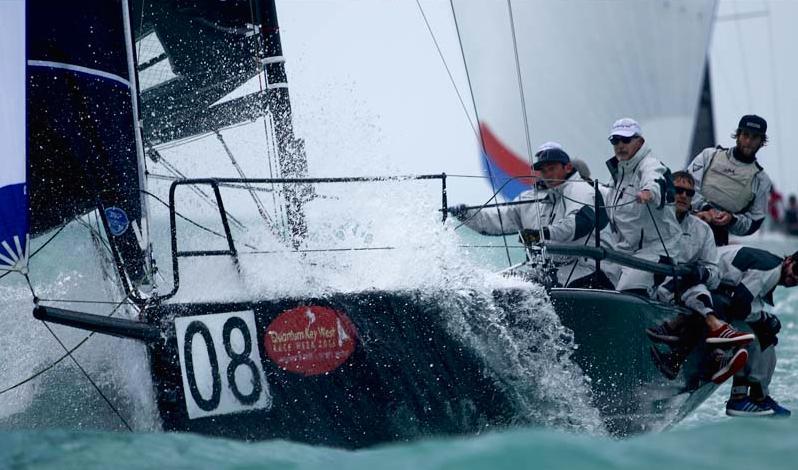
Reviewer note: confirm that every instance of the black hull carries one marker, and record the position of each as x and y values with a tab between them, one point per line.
408	376
630	393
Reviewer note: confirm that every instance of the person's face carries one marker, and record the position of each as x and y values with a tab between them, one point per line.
788	276
554	173
748	143
684	195
626	147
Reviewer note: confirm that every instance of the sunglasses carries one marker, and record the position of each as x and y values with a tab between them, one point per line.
689	192
616	139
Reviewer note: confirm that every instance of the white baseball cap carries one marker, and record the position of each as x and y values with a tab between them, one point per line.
546	146
625	127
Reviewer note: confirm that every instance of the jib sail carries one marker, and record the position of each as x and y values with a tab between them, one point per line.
13	158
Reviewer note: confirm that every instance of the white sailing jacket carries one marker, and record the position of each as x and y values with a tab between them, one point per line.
749	219
698	246
566	213
750	275
634	230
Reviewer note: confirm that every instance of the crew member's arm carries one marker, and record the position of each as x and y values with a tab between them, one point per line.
651	173
493	220
508	219
749	221
580	216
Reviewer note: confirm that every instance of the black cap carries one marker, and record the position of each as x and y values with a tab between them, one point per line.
753	123
551	155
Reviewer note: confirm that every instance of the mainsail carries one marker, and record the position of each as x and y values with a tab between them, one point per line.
13	157
564	71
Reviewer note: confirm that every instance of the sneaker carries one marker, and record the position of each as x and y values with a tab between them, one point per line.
747	407
662	333
727	336
778	410
730	365
667	363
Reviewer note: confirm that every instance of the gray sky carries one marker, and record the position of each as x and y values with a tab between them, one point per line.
372	96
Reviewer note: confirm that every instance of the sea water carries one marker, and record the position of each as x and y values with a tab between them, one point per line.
59	419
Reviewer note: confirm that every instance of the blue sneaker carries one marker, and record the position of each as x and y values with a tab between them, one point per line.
747	407
778	410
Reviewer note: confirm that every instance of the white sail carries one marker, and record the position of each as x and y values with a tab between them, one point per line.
574	67
753	68
13	157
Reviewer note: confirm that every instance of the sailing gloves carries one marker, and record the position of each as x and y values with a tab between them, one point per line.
530	236
698	275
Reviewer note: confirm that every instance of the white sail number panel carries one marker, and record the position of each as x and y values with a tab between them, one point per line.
220	364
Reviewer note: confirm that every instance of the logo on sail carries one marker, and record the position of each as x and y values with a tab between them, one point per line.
118	221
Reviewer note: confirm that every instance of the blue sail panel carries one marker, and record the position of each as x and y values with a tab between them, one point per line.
13	155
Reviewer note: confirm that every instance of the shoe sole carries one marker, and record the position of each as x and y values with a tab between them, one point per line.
662	339
736	341
749	414
736	363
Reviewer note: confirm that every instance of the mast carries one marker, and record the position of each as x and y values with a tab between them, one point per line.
142	231
291	151
704	130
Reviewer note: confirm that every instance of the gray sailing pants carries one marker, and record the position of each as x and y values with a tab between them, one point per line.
758	371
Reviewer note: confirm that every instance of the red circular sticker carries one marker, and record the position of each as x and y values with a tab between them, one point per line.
310	340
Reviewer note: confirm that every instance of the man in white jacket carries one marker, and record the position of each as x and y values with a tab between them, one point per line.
561	210
748	278
642	221
733	187
684	332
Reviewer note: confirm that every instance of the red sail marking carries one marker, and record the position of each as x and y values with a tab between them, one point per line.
510	163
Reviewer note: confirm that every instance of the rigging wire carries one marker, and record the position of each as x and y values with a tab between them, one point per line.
36	251
520	82
36	300
255	198
86	374
196	224
205	197
448	71
64	356
481	138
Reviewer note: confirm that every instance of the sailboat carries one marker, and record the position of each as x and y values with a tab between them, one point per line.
349	368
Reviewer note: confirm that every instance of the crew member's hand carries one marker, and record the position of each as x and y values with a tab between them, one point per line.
722	218
644	196
706	216
530	236
459	211
698	275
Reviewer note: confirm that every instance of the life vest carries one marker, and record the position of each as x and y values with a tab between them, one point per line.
728	185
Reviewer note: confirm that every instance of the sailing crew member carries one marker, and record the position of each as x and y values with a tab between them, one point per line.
733	187
565	214
642	222
748	278
682	333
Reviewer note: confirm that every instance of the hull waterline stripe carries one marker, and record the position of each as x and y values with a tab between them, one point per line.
78	68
